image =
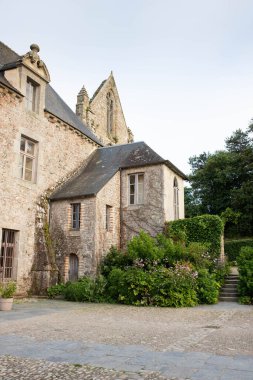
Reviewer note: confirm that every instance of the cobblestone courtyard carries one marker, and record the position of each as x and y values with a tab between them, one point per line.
61	340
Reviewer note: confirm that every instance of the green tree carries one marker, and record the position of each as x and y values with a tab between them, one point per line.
224	180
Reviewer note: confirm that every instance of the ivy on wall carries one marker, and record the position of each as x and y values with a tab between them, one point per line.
202	229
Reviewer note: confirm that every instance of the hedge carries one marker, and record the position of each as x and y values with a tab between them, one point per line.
233	247
245	267
202	229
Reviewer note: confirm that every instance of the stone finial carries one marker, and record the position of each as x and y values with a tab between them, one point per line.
35	47
34	56
83	92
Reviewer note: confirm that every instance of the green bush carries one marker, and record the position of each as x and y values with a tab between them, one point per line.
233	247
56	290
144	247
161	287
201	229
221	271
8	290
207	287
86	289
115	259
245	267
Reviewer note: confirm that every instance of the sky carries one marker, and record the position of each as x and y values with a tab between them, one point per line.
183	69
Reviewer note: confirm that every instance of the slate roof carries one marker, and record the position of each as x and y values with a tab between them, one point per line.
104	163
7	55
56	106
53	102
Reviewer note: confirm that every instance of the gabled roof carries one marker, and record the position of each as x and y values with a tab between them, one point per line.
56	106
53	102
104	164
97	90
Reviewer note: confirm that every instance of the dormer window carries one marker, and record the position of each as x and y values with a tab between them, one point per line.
31	95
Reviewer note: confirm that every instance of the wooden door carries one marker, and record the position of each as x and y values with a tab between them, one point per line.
73	267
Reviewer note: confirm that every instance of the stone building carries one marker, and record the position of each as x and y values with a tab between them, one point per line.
71	184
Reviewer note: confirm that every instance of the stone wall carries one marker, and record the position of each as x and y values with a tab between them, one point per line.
93	240
158	201
60	151
150	215
67	241
109	195
98	119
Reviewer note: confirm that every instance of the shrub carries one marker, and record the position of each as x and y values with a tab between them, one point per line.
221	271
233	247
56	290
115	259
245	267
201	229
144	247
161	287
7	290
86	289
207	287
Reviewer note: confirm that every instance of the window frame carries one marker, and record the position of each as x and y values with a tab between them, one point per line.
138	198
108	217
24	156
175	199
8	254
75	216
32	91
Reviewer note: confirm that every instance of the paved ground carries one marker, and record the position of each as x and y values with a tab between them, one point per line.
62	340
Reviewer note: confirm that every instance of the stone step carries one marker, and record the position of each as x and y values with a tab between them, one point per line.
229	290
231	281
228	299
228	295
233	285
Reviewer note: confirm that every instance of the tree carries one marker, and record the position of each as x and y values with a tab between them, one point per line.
224	180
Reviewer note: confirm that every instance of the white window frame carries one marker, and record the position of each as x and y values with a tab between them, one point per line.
24	156
176	199
135	196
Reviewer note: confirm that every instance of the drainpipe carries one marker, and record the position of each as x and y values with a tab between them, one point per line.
121	210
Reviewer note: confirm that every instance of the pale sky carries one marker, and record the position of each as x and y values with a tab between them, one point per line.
184	69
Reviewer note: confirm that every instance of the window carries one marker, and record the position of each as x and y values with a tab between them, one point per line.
27	159
31	95
75	220
109	113
136	189
7	254
108	218
175	199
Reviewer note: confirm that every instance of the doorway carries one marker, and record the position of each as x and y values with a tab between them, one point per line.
73	267
7	254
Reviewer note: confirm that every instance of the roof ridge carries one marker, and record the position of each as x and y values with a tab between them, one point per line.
116	145
97	90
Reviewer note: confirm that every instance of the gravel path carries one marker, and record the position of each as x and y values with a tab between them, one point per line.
206	342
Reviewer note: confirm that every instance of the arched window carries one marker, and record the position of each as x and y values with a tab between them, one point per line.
175	199
109	113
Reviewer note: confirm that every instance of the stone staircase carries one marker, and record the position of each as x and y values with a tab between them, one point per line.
229	291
